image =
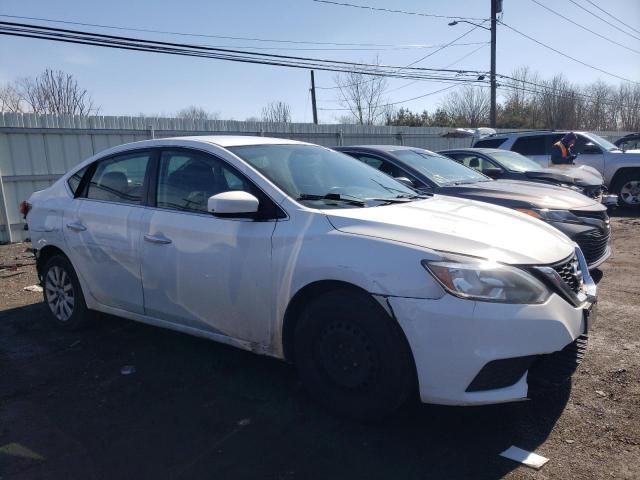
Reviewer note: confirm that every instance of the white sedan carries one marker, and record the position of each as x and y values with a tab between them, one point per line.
296	251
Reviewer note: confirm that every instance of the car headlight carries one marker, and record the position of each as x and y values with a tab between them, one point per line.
486	281
551	215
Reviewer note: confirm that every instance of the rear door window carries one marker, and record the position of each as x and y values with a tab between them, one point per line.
531	145
473	161
75	179
489	143
382	165
120	178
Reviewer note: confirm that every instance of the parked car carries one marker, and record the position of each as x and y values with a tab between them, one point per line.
581	218
296	251
628	142
504	164
620	170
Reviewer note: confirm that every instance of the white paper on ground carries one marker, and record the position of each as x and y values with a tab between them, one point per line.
529	459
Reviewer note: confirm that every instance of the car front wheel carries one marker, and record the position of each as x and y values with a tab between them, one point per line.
63	295
628	189
353	357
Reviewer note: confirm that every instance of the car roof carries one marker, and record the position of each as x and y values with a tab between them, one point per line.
384	148
487	151
528	133
237	140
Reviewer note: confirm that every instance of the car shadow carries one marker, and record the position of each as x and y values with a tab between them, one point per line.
625	212
197	409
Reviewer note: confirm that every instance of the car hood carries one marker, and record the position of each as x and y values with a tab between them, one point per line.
583	176
459	226
519	194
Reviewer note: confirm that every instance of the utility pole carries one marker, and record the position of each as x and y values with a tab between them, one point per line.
313	99
494	11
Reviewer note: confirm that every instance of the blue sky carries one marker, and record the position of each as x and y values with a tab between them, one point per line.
127	83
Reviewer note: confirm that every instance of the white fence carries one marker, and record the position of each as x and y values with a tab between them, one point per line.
36	149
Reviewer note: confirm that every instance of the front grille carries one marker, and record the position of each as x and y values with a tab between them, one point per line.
600	215
549	370
570	273
556	368
593	192
593	244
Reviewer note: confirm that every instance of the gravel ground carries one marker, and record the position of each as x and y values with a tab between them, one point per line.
196	409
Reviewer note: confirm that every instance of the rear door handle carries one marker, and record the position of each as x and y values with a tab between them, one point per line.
157	240
76	227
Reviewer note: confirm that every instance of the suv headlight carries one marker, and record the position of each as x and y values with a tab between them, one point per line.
486	281
551	215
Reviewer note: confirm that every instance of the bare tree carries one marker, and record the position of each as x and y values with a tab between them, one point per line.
10	100
558	100
276	112
468	107
55	92
628	99
193	112
362	94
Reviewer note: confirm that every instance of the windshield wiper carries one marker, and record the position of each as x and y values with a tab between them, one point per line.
334	197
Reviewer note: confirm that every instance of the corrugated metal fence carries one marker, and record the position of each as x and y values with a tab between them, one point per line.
36	149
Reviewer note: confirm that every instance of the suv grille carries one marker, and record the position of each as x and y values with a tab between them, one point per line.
570	272
593	244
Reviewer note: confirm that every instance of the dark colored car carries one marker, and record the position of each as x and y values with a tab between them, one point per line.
581	218
504	164
628	142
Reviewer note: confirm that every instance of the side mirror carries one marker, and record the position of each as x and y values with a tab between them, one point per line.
407	181
493	172
590	149
234	204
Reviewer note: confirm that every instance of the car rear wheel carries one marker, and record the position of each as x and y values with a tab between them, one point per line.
352	357
628	189
63	295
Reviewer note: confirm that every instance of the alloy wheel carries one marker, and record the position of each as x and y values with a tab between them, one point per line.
630	193
60	294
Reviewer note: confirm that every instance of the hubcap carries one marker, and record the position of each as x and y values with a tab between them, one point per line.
630	192
346	355
59	291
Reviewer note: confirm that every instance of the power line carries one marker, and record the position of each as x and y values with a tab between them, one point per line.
447	66
127	43
537	87
390	10
566	55
615	18
583	27
445	46
394	103
225	37
412	63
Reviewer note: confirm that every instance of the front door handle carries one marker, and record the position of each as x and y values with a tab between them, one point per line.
76	227
157	240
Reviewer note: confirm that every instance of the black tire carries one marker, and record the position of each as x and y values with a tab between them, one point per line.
63	296
352	357
626	198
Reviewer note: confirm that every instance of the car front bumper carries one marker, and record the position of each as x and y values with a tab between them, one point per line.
453	340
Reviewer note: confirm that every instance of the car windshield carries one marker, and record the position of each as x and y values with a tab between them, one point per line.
320	176
440	170
603	142
514	161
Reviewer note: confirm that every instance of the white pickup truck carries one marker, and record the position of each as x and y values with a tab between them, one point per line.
620	170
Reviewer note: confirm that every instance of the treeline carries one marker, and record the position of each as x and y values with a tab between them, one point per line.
527	101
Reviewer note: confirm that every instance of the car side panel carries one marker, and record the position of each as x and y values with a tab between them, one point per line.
308	249
107	251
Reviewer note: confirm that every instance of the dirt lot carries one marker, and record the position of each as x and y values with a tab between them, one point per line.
196	409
